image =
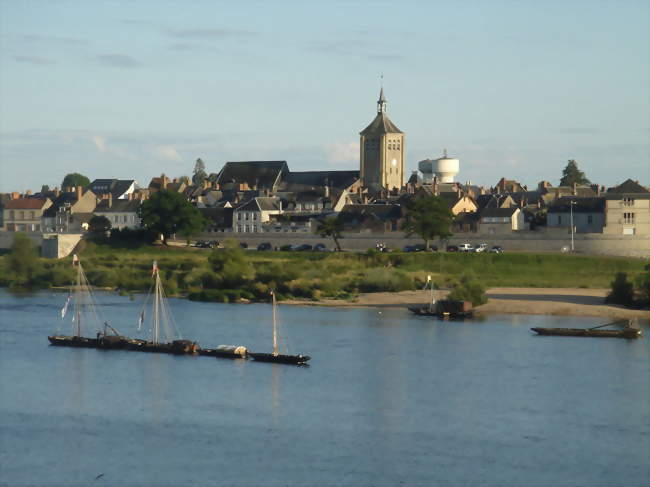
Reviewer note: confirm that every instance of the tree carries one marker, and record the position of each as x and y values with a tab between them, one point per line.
199	173
22	262
572	175
168	212
99	226
331	227
429	217
75	179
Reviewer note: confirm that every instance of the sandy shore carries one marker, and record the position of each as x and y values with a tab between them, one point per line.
539	301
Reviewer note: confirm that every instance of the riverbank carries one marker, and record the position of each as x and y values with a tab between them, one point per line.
504	300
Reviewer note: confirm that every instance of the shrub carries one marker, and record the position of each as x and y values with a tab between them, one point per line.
643	289
380	279
469	289
622	291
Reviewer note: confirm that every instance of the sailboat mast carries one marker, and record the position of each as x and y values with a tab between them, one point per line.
156	308
275	327
77	301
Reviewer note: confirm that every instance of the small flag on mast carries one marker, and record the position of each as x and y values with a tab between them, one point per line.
75	259
427	283
154	269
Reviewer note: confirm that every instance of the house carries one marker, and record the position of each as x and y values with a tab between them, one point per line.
219	218
163	182
69	212
587	214
627	210
373	218
495	221
24	214
121	213
119	189
459	203
253	214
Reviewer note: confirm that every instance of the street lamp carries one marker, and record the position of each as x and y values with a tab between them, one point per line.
571	203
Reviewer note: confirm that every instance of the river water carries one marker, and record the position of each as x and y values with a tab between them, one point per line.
390	399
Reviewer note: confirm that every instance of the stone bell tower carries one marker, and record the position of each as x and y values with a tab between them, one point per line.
382	152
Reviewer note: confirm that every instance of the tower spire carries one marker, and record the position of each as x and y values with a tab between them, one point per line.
381	103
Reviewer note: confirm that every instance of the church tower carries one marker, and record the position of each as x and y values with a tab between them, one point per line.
382	152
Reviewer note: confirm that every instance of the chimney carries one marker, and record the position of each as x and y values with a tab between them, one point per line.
80	192
327	191
28	192
164	180
56	191
15	195
110	200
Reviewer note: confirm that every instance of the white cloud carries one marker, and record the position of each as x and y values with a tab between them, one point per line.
342	152
100	142
166	152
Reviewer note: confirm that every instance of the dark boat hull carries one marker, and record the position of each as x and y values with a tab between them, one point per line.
582	332
73	341
280	358
425	311
177	347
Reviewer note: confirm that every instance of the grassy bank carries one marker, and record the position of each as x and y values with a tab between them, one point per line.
314	275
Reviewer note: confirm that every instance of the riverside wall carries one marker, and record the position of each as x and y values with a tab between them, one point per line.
525	241
55	245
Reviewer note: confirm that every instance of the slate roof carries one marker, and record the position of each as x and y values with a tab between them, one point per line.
261	203
582	205
498	212
490	200
318	179
218	217
59	201
260	174
116	187
381	125
628	187
118	206
25	204
378	212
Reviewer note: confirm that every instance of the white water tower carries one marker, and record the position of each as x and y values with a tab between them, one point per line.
444	169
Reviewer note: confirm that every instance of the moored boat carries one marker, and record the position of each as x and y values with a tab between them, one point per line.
276	356
630	330
225	351
443	308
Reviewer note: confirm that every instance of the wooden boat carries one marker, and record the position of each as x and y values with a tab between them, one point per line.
162	323
225	351
629	331
83	316
276	356
443	308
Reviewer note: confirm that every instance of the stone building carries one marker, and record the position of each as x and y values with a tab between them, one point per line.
627	210
382	152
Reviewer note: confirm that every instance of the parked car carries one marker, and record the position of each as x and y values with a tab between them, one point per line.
465	247
204	244
452	248
319	247
482	247
408	248
265	246
433	248
243	245
286	248
303	248
497	249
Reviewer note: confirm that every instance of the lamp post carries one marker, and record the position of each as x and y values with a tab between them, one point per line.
571	203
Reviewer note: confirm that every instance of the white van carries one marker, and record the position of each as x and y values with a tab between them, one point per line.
465	247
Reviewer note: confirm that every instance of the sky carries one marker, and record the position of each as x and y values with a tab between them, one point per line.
133	89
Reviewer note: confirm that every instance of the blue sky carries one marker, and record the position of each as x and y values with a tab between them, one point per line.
132	89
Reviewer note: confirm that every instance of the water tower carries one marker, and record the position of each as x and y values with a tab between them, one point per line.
444	169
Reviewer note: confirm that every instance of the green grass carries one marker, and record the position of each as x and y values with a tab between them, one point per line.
315	275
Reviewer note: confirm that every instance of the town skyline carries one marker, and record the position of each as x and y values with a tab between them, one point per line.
512	90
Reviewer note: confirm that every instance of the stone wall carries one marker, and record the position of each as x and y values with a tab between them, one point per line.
531	241
55	245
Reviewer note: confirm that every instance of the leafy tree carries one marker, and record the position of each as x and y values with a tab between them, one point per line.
469	289
45	188
75	179
22	262
622	291
429	217
99	226
168	213
642	287
199	173
184	179
571	174
231	264
331	227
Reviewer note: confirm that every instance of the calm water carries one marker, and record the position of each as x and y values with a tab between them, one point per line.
389	400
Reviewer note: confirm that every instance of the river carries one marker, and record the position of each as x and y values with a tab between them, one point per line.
390	399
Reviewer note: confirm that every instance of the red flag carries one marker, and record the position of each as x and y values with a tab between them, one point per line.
154	269
75	259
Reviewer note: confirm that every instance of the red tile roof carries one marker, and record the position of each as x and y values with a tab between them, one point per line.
26	204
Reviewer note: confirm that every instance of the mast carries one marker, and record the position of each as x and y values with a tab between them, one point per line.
275	327
156	303
77	297
433	299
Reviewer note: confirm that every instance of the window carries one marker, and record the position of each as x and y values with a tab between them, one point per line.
559	219
12	215
254	216
246	216
125	220
628	217
22	215
32	215
628	201
590	219
239	217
